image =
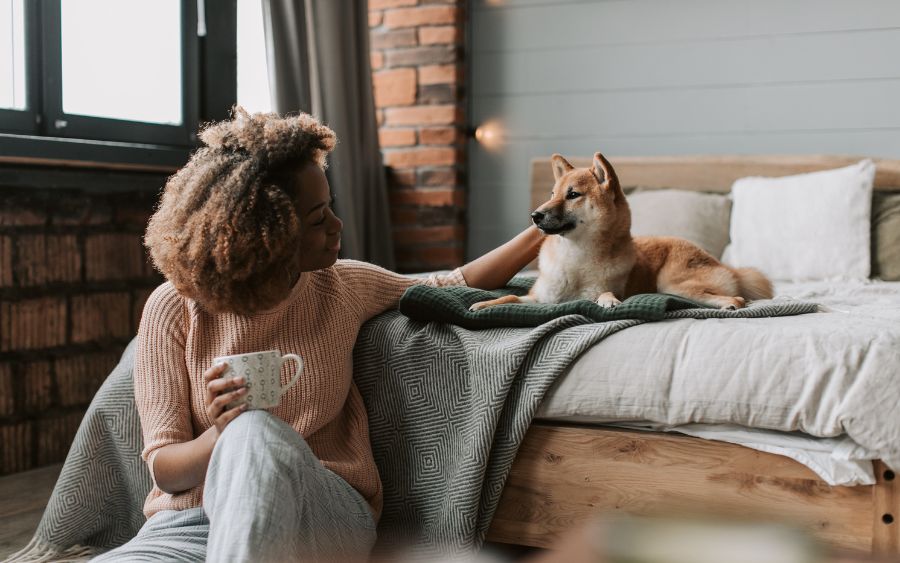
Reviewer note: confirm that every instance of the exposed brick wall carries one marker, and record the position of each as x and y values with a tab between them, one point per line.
417	66
73	281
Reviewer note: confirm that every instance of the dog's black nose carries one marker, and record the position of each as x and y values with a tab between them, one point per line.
537	217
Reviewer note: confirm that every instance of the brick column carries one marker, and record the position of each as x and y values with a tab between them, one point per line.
73	281
417	65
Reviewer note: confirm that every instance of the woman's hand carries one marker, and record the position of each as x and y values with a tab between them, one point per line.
498	266
221	392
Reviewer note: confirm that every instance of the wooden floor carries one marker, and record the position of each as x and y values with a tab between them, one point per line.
23	497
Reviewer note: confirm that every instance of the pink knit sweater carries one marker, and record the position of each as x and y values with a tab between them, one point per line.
178	340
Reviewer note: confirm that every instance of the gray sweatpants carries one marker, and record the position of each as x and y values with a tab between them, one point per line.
267	498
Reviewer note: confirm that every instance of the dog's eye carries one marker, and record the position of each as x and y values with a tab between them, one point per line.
573	195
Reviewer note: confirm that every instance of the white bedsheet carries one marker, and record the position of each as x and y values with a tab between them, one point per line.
823	389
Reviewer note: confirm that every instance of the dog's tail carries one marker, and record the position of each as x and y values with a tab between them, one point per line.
753	284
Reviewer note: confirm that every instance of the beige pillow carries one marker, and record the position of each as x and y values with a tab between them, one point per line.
886	236
811	226
699	217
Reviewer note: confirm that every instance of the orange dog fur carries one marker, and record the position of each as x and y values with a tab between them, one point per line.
592	255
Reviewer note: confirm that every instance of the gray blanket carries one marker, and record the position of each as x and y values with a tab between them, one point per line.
448	409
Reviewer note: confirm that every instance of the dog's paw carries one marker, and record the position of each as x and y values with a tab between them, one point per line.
607	300
735	304
480	305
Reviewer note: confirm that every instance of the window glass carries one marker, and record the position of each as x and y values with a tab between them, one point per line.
12	54
121	59
252	73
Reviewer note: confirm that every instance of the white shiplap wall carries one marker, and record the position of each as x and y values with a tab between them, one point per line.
668	77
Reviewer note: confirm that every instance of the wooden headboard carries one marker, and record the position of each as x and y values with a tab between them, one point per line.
708	173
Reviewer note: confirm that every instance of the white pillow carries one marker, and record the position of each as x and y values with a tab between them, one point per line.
804	227
698	217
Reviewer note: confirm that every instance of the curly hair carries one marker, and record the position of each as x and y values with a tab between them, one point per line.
227	230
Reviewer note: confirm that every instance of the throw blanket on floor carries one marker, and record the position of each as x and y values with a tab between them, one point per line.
448	407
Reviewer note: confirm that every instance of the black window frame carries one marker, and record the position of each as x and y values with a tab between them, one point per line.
209	89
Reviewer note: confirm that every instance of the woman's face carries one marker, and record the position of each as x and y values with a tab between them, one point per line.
320	228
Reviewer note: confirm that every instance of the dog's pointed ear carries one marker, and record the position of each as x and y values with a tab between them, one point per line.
560	166
601	168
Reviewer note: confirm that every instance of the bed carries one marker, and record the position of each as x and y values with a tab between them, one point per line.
572	466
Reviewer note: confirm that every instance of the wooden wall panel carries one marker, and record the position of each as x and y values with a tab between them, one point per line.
652	77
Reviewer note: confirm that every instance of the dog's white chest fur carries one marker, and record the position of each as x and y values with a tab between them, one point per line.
574	271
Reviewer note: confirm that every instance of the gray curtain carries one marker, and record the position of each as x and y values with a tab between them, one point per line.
318	56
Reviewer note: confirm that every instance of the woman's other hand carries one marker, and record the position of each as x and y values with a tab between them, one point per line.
220	393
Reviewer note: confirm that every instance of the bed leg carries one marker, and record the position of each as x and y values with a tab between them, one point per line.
886	502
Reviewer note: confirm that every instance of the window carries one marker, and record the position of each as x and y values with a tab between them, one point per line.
113	80
15	97
138	80
252	71
12	54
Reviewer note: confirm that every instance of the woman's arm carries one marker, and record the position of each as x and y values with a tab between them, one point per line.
179	467
498	266
371	289
182	466
162	392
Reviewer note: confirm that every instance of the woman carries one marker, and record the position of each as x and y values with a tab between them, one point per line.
248	241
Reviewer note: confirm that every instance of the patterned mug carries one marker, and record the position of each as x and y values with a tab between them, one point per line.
262	376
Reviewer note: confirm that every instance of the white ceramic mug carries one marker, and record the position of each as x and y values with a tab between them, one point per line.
262	376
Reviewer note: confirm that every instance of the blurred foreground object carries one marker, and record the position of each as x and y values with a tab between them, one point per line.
625	539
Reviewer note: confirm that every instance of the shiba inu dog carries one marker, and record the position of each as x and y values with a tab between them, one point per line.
592	255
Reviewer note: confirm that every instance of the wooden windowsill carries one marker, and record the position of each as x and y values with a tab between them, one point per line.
57	152
96	165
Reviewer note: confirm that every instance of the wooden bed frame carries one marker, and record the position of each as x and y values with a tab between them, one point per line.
565	474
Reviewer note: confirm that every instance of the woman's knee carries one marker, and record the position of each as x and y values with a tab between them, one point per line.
265	432
251	420
256	425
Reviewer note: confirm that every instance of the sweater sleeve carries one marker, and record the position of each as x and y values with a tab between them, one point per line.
373	289
161	381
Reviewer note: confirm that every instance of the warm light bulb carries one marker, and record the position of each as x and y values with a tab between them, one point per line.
484	134
489	134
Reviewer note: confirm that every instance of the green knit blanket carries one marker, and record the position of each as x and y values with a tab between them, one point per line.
451	305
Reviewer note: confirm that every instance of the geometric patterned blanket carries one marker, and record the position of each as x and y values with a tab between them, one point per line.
98	500
448	408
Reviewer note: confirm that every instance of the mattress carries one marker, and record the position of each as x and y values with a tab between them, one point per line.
823	388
